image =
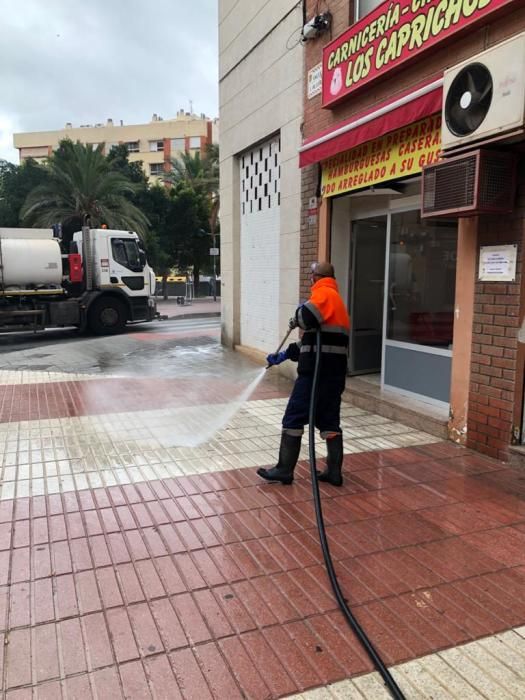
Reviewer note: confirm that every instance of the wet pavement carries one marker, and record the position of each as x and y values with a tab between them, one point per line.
138	562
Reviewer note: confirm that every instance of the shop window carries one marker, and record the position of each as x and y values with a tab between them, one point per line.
422	279
363	7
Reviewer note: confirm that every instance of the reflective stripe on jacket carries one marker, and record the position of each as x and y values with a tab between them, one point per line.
325	309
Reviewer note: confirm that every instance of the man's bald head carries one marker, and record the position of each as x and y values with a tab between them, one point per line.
323	269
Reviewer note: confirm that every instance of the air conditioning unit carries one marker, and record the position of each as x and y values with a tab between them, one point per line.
484	97
477	182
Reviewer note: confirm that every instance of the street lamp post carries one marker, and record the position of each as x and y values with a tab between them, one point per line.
214	269
213	253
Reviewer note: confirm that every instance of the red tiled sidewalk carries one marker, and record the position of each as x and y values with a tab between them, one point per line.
213	586
111	394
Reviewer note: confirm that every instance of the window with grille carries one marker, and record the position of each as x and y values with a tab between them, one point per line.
156	169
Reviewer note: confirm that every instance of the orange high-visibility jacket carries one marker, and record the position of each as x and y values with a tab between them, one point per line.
326	310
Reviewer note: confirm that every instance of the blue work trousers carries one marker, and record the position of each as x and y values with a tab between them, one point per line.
327	418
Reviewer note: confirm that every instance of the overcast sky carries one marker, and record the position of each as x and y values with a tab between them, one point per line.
84	61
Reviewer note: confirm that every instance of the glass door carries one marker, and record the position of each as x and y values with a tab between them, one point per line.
368	248
420	305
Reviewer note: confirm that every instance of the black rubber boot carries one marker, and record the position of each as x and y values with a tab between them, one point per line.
288	456
334	462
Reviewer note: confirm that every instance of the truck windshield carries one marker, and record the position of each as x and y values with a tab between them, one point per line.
126	252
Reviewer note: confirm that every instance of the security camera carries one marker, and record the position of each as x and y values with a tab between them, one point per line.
310	30
316	25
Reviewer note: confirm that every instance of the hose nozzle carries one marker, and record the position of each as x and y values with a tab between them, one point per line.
283	341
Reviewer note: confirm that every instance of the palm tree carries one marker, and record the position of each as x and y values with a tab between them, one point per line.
211	165
80	182
187	169
201	174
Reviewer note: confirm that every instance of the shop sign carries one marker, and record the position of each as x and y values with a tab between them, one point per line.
315	81
397	154
395	32
497	263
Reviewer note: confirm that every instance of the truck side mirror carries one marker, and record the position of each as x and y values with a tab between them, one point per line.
142	257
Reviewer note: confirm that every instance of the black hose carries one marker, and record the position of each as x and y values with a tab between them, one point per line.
354	624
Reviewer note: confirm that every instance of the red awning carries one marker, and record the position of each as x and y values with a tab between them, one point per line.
409	107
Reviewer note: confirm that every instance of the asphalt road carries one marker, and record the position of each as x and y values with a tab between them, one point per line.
165	347
67	350
26	339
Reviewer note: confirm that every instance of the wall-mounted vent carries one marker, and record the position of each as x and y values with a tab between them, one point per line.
478	182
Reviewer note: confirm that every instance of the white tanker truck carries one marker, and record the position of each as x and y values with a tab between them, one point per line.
100	284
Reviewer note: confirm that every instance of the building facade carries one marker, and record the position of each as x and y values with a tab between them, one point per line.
413	184
260	97
154	144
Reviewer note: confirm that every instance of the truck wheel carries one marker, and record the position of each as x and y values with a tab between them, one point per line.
107	316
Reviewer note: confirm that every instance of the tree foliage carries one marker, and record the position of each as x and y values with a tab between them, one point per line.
80	183
78	180
118	160
16	182
201	174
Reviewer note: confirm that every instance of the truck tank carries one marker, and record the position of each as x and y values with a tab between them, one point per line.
28	263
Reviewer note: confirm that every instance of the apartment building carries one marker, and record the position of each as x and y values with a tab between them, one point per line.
154	143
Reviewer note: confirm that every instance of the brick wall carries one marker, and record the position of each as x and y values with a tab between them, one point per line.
317	119
309	231
428	65
495	369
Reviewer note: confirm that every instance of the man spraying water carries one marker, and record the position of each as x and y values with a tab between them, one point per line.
326	310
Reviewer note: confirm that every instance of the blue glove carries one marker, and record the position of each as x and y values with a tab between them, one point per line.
275	358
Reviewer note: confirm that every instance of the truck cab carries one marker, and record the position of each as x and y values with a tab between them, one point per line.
119	283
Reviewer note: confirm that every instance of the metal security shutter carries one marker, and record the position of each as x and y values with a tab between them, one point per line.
260	217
